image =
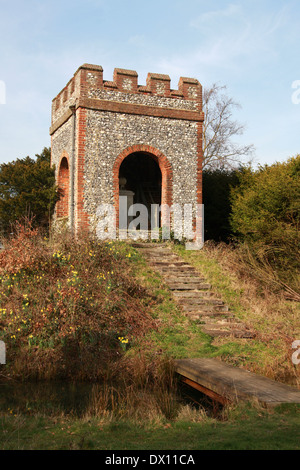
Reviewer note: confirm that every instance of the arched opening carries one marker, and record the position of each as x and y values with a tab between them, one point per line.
62	207
150	166
140	179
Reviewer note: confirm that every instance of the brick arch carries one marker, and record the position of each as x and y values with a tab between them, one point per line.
165	168
63	180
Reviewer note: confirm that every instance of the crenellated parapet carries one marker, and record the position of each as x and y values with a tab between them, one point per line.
87	89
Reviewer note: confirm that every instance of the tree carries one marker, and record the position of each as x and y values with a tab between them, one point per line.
266	217
219	150
217	186
265	204
27	189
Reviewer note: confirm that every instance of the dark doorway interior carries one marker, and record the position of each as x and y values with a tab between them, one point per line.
143	177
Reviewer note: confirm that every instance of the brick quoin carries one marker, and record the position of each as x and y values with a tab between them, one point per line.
82	218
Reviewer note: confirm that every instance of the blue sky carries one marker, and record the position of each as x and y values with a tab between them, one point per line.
251	46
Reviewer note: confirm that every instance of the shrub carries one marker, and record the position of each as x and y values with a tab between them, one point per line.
266	215
69	308
217	205
266	204
27	189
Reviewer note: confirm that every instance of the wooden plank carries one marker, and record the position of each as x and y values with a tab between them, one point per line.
206	391
233	383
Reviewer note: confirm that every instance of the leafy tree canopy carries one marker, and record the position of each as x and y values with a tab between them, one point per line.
266	203
27	189
266	216
217	185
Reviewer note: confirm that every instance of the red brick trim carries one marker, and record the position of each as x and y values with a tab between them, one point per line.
82	218
185	84
140	109
165	168
128	108
199	162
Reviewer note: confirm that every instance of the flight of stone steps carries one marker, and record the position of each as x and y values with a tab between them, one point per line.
192	292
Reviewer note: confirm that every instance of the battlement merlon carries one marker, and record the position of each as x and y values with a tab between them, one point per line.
87	89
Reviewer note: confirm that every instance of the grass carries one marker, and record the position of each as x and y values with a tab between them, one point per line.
269	314
176	335
247	428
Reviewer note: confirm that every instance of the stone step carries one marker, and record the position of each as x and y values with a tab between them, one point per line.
195	301
168	260
203	314
192	293
184	279
237	332
149	246
180	270
181	286
215	330
215	321
204	307
204	295
222	327
168	265
229	322
205	310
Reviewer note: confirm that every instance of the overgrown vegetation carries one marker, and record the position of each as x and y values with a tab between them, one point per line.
272	317
87	310
266	218
257	212
84	310
68	308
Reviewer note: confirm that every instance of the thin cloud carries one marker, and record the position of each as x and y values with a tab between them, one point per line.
231	11
231	37
137	40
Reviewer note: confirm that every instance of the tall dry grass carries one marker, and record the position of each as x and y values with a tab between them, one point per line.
145	392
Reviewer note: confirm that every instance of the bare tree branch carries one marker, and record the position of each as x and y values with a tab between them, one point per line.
219	150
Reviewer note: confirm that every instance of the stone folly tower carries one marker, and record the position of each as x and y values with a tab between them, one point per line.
113	138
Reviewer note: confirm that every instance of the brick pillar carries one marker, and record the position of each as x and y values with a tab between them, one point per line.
81	217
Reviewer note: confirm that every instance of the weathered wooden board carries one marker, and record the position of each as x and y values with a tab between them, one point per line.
233	383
